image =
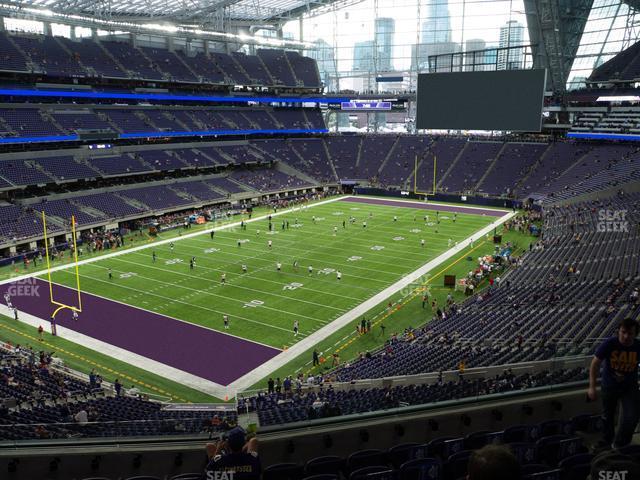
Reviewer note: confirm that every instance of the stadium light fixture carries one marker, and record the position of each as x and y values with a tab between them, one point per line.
130	27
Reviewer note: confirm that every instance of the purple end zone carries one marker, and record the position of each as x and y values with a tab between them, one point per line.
202	352
426	206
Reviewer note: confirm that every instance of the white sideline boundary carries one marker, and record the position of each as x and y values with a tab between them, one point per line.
252	377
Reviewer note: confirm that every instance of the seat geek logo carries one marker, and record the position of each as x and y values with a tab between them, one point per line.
613	475
612	221
24	288
220	475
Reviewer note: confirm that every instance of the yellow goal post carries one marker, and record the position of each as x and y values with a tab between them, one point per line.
59	305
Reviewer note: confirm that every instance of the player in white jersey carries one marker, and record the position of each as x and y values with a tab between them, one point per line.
7	300
225	321
449	243
269	243
335	230
422	242
223	278
295	328
278	266
339	275
310	269
244	268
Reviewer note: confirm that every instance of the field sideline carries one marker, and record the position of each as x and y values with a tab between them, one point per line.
263	303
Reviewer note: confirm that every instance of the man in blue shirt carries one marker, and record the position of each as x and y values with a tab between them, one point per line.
234	457
619	383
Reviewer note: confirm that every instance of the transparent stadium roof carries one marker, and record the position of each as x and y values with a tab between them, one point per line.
611	27
174	10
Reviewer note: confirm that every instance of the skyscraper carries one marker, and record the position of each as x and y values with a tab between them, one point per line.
474	55
436	37
363	53
511	35
437	27
384	32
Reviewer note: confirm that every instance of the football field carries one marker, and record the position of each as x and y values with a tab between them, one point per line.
152	304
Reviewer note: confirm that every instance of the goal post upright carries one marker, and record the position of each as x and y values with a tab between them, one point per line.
415	177
74	243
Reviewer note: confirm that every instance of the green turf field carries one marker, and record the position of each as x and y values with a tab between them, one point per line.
170	287
263	303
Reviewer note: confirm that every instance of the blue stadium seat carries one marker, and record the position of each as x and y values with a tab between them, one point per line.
521	433
477	440
436	447
552	427
283	471
456	465
379	472
580	423
329	464
558	447
365	458
421	469
453	446
399	454
526	453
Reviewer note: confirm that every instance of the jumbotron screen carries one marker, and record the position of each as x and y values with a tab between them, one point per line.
499	100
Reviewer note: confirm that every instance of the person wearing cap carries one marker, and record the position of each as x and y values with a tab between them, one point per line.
619	383
234	455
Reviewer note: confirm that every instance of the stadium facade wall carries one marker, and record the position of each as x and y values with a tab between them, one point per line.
287	444
476	200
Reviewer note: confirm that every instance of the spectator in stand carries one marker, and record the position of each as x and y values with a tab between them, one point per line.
493	462
234	456
81	417
619	383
